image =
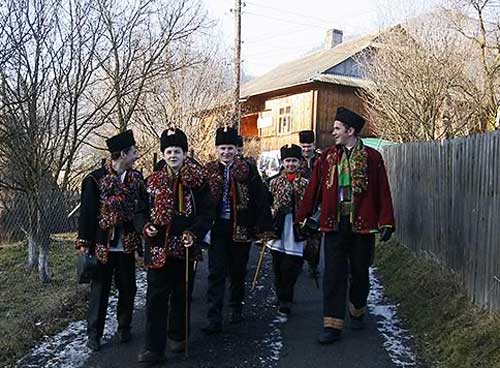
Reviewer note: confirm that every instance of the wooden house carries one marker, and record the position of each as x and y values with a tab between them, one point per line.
305	93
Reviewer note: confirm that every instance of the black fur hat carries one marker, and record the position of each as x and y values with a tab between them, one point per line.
173	137
350	118
121	141
291	150
306	136
226	135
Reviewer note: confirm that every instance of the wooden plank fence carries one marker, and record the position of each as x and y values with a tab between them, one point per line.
447	204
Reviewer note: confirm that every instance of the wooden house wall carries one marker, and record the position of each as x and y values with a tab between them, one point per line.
313	106
301	115
249	125
330	97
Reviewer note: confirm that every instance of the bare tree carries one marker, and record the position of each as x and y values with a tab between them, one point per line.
479	22
47	107
424	82
195	99
70	71
143	39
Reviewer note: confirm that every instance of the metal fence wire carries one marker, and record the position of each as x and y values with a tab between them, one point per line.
22	215
38	289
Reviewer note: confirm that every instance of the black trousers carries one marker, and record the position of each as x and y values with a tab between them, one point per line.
225	257
316	243
287	269
346	253
121	266
165	303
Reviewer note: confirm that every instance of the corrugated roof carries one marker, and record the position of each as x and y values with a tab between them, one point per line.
342	80
303	70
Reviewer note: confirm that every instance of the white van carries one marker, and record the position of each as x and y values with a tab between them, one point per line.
269	164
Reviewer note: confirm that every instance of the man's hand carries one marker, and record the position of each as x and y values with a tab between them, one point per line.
150	231
139	258
264	238
386	233
308	227
187	239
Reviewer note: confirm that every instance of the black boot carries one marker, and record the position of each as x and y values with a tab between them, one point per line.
329	336
150	357
212	328
94	343
313	271
236	317
285	308
124	336
357	323
176	346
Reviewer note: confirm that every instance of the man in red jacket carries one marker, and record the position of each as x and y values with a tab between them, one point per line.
349	183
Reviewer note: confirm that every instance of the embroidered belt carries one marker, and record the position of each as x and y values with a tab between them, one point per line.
345	208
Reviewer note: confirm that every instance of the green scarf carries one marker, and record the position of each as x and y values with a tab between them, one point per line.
353	171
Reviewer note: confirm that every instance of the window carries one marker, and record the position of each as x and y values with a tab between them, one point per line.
285	120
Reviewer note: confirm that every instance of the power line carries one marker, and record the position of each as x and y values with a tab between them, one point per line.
270	36
291	21
288	12
300	48
283	20
323	20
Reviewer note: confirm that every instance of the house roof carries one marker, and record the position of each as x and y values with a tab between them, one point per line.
310	68
343	80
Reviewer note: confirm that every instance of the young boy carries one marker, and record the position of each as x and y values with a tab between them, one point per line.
287	190
177	215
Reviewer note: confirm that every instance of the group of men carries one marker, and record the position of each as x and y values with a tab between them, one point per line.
226	204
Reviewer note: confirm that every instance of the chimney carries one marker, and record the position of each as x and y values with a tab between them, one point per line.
333	38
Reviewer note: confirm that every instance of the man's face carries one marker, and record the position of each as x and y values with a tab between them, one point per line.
130	157
226	152
342	133
290	164
174	157
307	149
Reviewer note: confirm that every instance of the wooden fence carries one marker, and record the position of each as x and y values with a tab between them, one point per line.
447	204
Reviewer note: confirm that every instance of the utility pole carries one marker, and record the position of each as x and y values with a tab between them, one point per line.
237	64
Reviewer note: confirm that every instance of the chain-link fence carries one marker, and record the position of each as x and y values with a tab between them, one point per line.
22	215
38	289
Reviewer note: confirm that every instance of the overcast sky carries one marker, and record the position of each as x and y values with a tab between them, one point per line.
276	31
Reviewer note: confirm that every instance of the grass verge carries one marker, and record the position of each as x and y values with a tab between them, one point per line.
30	310
450	331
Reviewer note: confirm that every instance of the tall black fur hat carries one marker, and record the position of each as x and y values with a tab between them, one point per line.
226	135
121	141
306	136
350	118
291	150
173	137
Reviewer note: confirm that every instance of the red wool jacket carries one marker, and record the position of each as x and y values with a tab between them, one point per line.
372	209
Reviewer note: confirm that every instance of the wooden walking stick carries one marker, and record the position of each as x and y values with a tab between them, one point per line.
259	265
188	241
186	319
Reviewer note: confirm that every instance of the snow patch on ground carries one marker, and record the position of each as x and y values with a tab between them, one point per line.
397	340
275	343
68	349
273	340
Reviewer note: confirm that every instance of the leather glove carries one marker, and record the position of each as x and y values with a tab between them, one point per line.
309	226
386	233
